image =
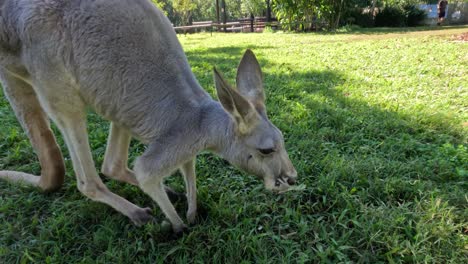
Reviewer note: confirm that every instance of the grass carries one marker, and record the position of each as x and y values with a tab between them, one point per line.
376	124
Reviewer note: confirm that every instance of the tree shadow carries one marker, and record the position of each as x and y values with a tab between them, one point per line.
392	30
378	165
224	57
336	138
350	153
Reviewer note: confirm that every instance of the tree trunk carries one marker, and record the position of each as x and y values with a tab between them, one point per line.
338	15
268	11
374	3
252	18
217	11
223	11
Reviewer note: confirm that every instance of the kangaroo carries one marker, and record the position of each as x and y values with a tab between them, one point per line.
122	59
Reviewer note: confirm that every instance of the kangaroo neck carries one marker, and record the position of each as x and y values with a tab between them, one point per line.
218	127
165	109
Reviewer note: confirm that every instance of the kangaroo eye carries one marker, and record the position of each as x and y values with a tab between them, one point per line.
266	151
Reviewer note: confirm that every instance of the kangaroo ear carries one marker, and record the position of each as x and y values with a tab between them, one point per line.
250	80
235	104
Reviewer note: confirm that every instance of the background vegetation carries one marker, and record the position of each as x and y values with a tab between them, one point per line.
302	15
375	123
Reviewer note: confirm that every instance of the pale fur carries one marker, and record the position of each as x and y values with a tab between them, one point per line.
123	59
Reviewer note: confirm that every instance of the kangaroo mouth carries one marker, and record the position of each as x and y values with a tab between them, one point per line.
284	180
281	183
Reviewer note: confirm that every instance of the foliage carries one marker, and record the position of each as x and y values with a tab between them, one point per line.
160	4
297	15
184	9
400	16
414	15
206	9
375	124
268	29
255	7
335	13
305	14
390	16
356	16
168	9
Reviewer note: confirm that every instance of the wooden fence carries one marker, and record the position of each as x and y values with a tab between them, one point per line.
254	24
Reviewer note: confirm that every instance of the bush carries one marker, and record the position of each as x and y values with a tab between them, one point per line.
390	16
414	15
348	28
357	17
395	16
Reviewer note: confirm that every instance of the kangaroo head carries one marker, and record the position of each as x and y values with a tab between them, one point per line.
258	146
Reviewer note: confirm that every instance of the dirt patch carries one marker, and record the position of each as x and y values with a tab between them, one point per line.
436	32
463	37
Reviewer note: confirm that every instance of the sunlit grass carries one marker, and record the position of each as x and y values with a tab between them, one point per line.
375	123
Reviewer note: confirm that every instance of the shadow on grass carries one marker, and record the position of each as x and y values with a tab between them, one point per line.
392	30
388	170
347	143
225	58
368	172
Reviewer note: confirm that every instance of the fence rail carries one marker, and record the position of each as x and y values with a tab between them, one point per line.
255	24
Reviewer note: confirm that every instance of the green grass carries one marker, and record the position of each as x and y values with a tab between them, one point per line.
376	124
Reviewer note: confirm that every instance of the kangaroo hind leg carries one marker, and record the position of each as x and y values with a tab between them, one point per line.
116	159
116	156
188	171
70	117
36	124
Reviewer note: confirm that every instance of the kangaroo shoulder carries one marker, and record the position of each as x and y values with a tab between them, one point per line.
9	40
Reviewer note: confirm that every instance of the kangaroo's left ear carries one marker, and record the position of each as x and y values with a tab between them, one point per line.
235	104
250	81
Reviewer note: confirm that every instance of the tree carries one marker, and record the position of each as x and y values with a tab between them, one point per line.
255	7
205	10
303	14
166	7
184	9
335	10
268	10
161	4
297	14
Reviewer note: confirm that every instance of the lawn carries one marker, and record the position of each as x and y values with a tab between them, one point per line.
376	123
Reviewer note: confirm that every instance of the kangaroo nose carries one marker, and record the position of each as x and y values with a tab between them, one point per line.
291	181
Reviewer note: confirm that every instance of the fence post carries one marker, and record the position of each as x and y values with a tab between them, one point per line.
223	10
251	22
268	11
217	12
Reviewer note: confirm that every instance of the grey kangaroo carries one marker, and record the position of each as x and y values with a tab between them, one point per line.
122	58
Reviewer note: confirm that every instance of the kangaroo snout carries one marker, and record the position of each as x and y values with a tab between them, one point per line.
290	178
291	181
282	182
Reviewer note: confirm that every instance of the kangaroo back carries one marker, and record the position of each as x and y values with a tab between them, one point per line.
9	41
123	58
